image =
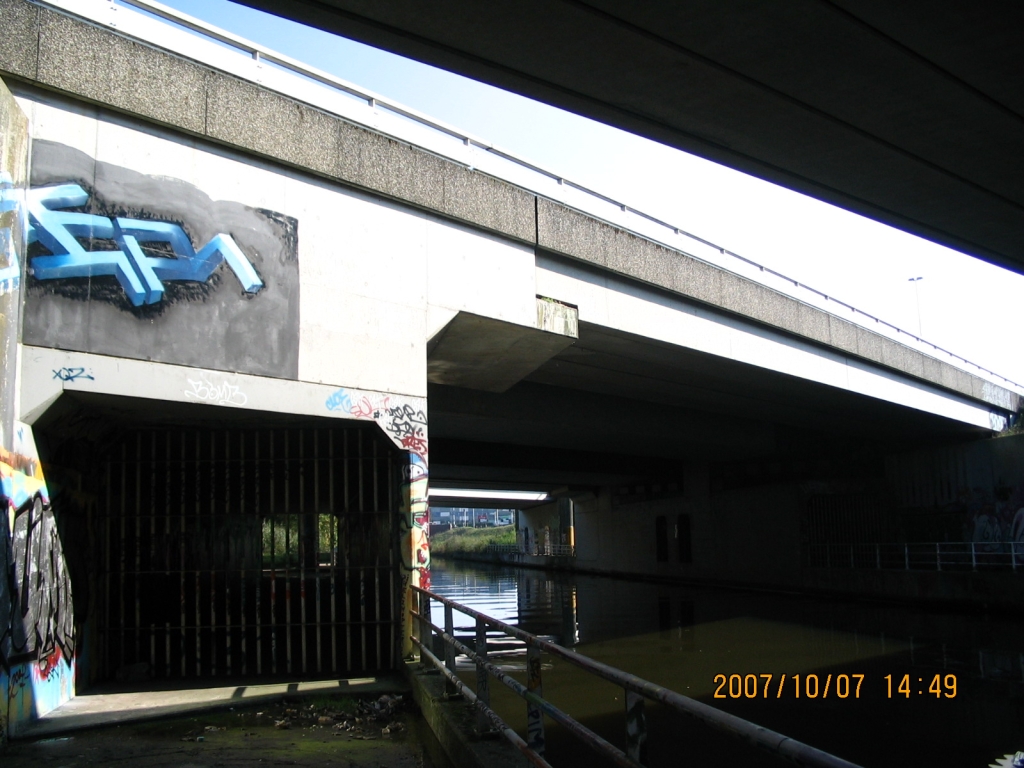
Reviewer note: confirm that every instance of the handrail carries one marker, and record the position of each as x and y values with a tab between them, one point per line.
260	53
637	689
916	556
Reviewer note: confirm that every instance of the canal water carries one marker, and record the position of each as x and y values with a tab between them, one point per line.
879	685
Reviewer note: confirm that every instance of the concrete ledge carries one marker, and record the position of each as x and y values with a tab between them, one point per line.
453	723
104	706
64	54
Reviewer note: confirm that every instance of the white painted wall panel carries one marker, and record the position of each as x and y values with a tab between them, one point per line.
370	272
628	307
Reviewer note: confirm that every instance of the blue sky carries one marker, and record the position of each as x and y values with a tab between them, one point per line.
962	304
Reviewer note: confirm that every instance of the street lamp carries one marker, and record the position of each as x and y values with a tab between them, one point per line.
917	295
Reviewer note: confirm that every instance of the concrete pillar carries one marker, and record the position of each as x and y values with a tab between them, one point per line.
14	146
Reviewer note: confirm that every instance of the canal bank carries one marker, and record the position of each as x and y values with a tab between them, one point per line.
965	589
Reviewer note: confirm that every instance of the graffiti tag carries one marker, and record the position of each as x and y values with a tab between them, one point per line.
404	423
339	401
40	621
72	374
140	275
223	393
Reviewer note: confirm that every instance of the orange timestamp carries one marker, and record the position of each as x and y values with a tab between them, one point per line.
814	686
939	686
810	686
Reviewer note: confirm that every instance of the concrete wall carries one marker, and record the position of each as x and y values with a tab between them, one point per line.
539	526
972	492
749	535
285	293
353	286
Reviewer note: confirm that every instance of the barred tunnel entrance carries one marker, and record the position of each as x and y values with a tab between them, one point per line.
233	550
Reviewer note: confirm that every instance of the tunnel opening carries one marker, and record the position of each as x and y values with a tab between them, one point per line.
207	542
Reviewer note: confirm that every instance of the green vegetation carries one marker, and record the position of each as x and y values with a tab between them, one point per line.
471	539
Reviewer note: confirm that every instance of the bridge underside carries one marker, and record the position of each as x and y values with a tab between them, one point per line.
909	113
618	409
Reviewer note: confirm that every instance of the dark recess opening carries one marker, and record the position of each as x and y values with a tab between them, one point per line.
661	537
684	542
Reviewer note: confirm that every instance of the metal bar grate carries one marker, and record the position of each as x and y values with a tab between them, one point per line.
242	551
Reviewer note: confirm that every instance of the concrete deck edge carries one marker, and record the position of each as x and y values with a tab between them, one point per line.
76	58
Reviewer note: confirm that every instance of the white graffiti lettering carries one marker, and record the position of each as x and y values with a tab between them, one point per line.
221	393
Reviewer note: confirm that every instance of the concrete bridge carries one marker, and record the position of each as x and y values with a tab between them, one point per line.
247	318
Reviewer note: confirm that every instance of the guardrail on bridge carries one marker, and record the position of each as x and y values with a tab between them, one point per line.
925	556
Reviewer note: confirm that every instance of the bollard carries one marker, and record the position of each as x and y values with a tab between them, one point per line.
636	728
534	717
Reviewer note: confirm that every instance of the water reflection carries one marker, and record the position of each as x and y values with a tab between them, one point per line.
682	637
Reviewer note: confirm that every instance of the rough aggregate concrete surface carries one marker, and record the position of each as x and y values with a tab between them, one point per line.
384	732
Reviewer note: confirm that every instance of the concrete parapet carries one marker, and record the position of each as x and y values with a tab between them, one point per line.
453	722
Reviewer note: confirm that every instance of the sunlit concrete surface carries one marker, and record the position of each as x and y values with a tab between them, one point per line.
108	705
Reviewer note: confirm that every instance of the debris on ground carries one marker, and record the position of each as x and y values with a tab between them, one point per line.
328	730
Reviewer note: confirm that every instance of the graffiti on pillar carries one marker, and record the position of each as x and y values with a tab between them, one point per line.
140	275
404	419
36	617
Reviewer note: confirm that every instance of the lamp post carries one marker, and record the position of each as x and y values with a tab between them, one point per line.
917	296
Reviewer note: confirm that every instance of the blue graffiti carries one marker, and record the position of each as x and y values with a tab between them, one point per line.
10	276
339	401
140	276
72	374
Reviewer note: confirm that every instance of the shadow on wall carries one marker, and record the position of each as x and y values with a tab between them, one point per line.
37	639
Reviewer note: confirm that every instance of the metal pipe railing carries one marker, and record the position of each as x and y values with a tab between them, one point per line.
637	690
919	556
295	67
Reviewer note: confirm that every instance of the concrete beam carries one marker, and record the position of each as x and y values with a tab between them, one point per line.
51	50
492	355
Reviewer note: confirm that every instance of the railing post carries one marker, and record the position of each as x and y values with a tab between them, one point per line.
483	689
424	623
974	558
1013	555
938	557
534	717
636	728
906	556
449	649
878	557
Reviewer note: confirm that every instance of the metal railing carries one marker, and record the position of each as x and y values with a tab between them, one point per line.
636	690
559	550
927	556
261	54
